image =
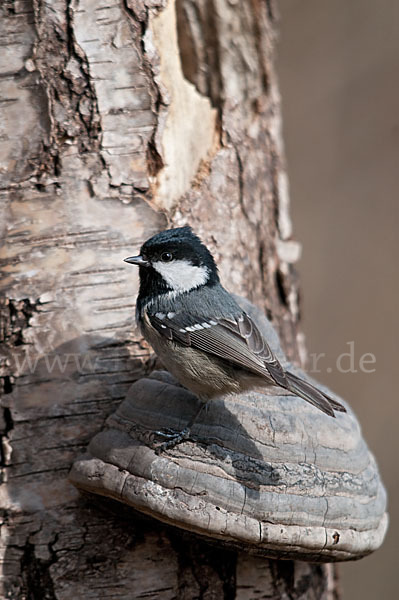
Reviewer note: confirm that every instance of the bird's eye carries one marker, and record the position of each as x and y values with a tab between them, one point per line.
166	256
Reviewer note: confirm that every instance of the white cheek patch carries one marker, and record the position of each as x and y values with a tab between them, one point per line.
181	275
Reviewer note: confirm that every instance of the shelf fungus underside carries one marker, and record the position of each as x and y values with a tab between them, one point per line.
263	472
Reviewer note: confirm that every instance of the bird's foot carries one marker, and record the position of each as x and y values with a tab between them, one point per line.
174	439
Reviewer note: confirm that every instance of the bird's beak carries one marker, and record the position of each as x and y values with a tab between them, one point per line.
137	260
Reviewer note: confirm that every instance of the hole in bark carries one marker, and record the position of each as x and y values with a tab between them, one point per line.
154	160
7	386
269	313
280	287
57	165
336	537
9	423
10	7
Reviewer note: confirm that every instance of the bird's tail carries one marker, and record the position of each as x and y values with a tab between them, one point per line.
311	394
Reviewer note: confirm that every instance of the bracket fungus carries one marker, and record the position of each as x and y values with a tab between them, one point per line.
264	472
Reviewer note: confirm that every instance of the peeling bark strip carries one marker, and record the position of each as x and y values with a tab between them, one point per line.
187	125
114	125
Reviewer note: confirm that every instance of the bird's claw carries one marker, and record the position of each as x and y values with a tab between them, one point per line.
174	439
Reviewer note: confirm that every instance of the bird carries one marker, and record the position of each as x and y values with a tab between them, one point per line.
199	331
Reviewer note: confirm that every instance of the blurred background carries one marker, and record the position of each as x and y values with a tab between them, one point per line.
339	78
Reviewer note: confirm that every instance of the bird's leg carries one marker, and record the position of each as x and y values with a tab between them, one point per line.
176	438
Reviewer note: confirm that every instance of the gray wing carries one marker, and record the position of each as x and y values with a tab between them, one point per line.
239	341
236	340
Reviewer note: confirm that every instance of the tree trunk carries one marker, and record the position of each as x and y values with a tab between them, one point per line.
119	120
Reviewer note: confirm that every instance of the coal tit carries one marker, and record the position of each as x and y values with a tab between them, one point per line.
197	328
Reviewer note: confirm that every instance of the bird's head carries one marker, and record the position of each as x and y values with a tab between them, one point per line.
174	260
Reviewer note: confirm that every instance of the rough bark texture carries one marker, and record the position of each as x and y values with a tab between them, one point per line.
112	127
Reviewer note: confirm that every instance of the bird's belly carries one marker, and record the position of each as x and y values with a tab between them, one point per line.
203	374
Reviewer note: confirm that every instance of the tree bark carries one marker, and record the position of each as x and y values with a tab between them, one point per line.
119	120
